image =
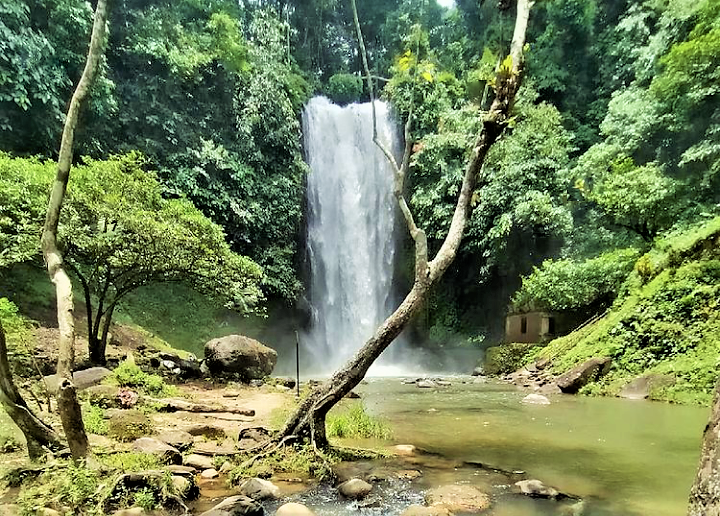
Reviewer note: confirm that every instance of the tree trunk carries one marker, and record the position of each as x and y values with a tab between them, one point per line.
98	343
705	492
308	420
67	400
39	436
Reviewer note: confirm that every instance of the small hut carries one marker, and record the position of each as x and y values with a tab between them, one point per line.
539	326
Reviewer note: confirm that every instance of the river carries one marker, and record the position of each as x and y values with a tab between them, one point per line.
624	457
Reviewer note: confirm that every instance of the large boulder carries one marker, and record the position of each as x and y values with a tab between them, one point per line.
458	498
575	379
236	355
177	438
236	506
82	380
641	387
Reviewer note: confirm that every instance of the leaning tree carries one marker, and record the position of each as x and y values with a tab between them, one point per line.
308	420
68	405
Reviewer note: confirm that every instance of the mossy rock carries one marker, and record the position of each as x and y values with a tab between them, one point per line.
128	425
104	396
507	358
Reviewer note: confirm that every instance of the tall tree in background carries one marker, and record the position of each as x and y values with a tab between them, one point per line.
68	406
308	420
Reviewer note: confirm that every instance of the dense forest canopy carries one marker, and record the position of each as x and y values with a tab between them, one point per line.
615	138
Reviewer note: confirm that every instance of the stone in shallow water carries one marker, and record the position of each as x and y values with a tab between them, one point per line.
259	489
458	498
536	399
536	489
355	489
293	509
420	510
404	450
210	473
236	506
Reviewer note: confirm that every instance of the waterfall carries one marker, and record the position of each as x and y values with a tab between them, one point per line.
351	227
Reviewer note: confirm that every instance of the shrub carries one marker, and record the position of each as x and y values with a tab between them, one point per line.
344	88
507	358
287	459
131	461
145	498
128	374
568	284
66	486
356	422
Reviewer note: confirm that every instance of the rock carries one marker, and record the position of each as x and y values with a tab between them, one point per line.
355	489
236	506
408	474
352	395
478	371
425	384
549	388
293	509
177	439
241	356
458	498
282	388
81	379
588	371
290	383
536	489
105	396
480	379
226	467
201	462
542	363
182	485
207	431
166	453
443	383
409	381
168	364
48	512
204	369
576	509
641	387
210	473
404	450
135	511
10	509
536	399
259	489
420	510
249	437
185	471
127	425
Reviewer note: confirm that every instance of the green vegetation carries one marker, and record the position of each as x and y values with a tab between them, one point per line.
128	374
354	422
667	322
93	419
64	485
130	461
507	358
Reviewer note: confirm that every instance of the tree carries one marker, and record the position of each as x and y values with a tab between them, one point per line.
38	435
119	233
308	420
68	405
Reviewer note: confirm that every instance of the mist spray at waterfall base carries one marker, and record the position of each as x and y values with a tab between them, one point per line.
352	234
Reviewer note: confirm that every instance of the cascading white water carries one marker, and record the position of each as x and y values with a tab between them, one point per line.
351	227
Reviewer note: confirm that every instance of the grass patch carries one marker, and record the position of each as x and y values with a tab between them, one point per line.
128	462
129	425
354	422
128	374
93	419
67	487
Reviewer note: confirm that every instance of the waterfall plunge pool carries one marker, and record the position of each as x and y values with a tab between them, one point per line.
622	457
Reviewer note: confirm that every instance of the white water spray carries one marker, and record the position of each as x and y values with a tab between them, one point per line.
351	227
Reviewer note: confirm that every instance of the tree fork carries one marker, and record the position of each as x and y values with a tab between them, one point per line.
67	399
